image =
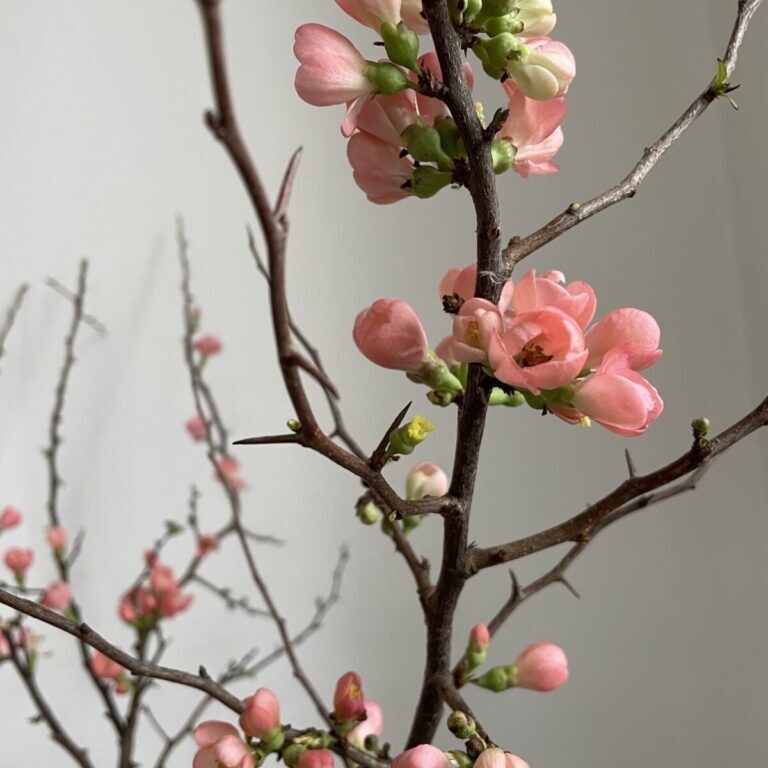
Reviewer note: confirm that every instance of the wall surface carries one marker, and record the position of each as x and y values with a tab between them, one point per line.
102	145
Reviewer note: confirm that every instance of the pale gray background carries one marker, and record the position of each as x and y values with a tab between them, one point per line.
102	144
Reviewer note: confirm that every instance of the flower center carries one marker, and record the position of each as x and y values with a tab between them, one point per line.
532	354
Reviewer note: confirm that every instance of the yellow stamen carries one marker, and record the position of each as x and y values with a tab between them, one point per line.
418	429
585	421
480	111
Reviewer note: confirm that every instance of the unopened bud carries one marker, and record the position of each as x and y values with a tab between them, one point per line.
367	512
700	427
428	181
461	725
292	753
503	152
293	424
411	523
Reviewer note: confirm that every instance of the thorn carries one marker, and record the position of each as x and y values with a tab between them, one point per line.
631	468
203	672
515	584
567	584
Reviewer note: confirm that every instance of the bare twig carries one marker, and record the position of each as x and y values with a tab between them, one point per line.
519	248
86	318
10	315
584	525
21	663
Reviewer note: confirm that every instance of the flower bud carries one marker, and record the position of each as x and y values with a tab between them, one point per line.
461	725
386	77
401	44
208	345
405	439
9	518
57	597
461	759
700	427
464	10
425	479
369	729
261	716
56	536
492	9
536	17
316	758
423	756
542	71
348	701
423	144
367	512
292	753
196	428
503	152
18	561
501	24
541	667
411	523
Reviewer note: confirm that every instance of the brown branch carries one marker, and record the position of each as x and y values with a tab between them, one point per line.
339	427
584	525
472	412
58	734
224	127
51	454
225	594
138	667
519	248
10	315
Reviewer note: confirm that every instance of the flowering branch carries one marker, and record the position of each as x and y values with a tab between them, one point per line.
223	124
518	248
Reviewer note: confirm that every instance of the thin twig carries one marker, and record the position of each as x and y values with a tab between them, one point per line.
58	733
519	248
11	314
584	525
87	319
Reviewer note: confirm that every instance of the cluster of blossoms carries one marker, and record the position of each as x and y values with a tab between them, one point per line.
111	671
158	597
18	560
402	139
359	721
538	346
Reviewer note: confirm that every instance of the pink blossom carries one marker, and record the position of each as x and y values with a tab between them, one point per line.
161	578
423	756
386	117
373	13
316	758
632	330
536	159
542	667
10	517
56	536
57	597
228	472
378	169
5	648
618	398
390	334
220	745
207	542
534	128
576	299
480	637
373	725
348	701
425	479
462	283
104	667
545	70
208	345
477	323
411	13
332	70
196	428
495	758
18	560
261	717
541	349
162	598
